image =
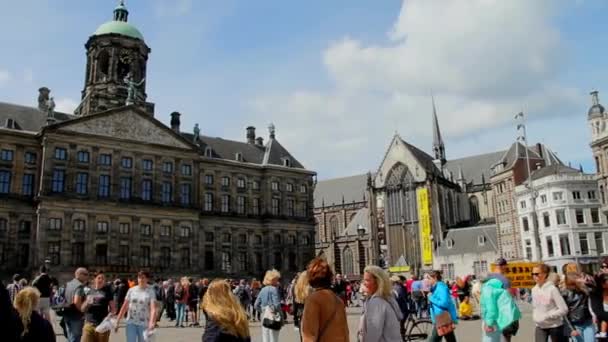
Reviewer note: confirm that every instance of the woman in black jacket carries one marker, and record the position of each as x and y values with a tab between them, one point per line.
32	327
576	296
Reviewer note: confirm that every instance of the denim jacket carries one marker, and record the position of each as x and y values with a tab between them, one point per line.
268	296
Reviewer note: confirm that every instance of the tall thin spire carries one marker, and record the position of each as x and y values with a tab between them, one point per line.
438	146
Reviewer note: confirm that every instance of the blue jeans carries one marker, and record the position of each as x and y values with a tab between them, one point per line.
587	332
135	333
74	329
180	309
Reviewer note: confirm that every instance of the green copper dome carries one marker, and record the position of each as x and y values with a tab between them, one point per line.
120	24
119	27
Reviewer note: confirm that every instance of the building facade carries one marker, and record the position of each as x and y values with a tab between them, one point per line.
571	227
597	119
466	251
113	188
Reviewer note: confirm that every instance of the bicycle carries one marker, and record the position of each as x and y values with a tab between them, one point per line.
417	329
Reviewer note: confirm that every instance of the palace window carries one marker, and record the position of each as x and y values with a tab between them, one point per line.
102	227
3	225
289	187
146	229
168	167
591	195
564	243
257	239
291	207
599	242
79	225
241	205
145	256
275	208
226	238
82	183
55	223
584	243
558	196
185	196
209	261
30	158
126	162
61	153
77	253
125	188
209	237
255	206
104	186
54	252
225	181
543	198
274	186
165	230
208	179
576	195
208	206
595	215
82	157
146	189
546	219
124	228
225	203
580	216
123	255
147	164
165	257
187	170
561	216
303	189
166	192
240	183
242	261
522	204
57	183
255	185
226	262
6	155
28	184
242	239
101	254
5	182
184	231
185	257
105	159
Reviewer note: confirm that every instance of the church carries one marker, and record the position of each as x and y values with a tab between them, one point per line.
111	187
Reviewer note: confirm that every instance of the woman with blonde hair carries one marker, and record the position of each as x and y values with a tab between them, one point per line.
324	317
32	327
269	304
226	318
301	290
381	313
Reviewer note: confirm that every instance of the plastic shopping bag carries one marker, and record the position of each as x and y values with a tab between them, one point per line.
108	324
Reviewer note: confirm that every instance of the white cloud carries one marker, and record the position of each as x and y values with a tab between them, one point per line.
66	105
5	77
484	60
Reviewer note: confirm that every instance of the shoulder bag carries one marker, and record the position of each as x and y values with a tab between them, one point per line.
271	319
443	322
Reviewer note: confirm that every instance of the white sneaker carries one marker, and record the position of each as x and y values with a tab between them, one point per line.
601	335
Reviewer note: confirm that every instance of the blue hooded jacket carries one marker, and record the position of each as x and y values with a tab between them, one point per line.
441	301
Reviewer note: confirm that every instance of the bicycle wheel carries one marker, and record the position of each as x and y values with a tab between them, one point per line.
420	330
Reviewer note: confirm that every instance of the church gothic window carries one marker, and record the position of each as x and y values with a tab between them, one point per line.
347	259
334	226
474	205
401	196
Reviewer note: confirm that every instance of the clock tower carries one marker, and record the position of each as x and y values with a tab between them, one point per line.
117	56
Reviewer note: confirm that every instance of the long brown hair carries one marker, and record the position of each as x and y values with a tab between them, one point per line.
26	302
222	306
574	281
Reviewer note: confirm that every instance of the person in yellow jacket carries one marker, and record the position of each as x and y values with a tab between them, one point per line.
465	310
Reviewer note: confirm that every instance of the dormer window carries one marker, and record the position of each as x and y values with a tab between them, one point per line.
238	156
208	152
481	240
286	162
449	243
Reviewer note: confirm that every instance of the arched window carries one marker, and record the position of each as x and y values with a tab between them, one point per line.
103	66
347	260
352	217
334	226
474	206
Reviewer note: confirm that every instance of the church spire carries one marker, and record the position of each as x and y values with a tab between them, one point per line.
120	12
438	146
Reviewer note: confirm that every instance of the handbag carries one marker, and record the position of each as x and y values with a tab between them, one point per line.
272	320
443	322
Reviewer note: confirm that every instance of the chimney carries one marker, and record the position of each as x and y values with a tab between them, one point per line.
250	135
175	121
43	97
539	148
259	141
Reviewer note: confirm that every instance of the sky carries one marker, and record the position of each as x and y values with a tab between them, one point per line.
337	78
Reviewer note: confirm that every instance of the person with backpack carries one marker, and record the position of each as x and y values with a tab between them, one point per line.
44	285
499	312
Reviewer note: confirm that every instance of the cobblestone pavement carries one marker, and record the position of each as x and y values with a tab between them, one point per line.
466	331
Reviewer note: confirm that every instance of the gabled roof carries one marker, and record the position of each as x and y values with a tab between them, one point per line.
361	219
465	241
275	153
537	152
332	191
28	118
423	158
555	169
474	167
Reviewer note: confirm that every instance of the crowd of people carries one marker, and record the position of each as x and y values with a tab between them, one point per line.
571	306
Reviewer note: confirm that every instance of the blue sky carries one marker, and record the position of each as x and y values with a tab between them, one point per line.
337	78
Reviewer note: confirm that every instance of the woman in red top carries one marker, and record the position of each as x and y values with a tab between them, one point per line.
181	300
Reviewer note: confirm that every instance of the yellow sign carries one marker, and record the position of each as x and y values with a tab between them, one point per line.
424	217
519	274
399	269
